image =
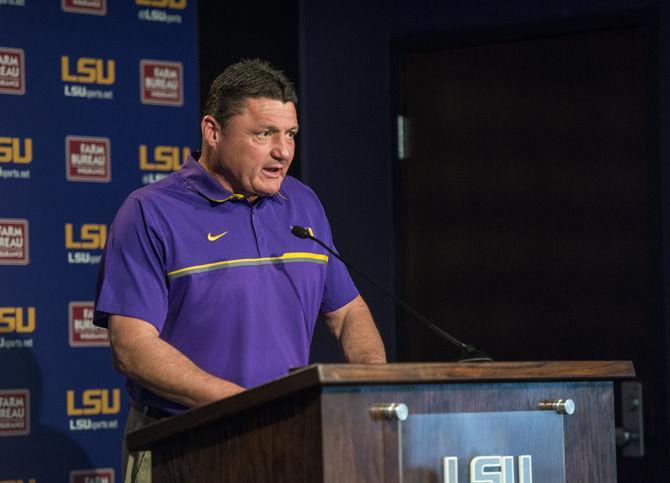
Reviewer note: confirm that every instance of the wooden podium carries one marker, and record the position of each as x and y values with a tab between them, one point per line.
326	423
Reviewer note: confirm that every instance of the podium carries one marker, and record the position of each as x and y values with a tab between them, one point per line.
414	422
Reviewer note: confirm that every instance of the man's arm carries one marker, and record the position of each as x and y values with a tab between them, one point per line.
139	353
353	327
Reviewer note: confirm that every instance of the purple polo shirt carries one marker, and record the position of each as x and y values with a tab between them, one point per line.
223	281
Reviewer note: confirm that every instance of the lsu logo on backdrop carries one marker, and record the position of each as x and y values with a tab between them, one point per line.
155	12
16	321
82	332
161	82
12	71
14	412
88	159
90	403
15	154
160	161
81	242
86	72
14	242
90	7
95	475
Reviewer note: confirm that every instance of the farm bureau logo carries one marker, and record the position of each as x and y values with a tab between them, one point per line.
17	153
87	159
155	12
82	332
86	244
12	71
89	7
161	162
14	242
86	71
93	402
14	412
95	475
16	321
161	82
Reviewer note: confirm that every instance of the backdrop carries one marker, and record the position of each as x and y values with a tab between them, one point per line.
97	99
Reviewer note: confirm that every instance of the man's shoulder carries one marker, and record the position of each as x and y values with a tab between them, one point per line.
294	187
167	187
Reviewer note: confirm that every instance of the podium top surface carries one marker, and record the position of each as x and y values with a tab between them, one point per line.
429	372
325	375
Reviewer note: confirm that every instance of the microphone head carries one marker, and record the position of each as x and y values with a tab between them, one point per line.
300	231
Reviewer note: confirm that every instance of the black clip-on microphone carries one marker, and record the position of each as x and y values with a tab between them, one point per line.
469	353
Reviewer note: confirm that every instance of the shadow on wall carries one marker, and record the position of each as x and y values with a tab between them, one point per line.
43	454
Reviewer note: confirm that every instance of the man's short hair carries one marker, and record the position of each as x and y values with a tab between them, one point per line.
248	78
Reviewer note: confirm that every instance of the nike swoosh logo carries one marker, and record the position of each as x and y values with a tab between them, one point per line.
211	237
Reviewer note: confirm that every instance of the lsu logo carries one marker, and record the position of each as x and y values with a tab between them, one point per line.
12	71
94	402
14	412
88	70
90	7
96	475
14	242
16	150
163	158
90	237
17	320
173	4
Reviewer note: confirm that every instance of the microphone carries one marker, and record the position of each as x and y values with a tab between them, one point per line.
469	353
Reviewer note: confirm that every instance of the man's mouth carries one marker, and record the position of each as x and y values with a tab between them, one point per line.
272	171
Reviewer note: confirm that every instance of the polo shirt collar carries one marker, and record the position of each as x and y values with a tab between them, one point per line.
201	181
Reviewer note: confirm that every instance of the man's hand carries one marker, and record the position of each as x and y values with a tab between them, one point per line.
139	353
353	327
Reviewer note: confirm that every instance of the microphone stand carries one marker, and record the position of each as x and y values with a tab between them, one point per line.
468	352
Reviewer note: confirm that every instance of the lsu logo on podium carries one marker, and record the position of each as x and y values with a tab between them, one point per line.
95	475
160	161
88	70
14	412
82	332
12	71
16	150
93	402
17	320
14	242
89	7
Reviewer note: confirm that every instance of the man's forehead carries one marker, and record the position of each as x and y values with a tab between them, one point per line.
265	108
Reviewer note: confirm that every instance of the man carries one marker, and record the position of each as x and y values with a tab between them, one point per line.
203	287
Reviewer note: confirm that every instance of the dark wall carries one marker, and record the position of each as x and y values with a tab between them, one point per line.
347	143
231	31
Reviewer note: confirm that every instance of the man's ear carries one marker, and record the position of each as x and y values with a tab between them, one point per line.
211	131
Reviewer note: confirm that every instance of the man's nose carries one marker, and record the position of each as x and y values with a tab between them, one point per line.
281	150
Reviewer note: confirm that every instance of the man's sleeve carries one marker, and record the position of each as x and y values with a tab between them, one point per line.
131	280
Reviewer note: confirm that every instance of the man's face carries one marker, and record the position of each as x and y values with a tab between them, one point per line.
255	149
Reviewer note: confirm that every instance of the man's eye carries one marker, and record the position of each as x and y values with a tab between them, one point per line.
265	134
292	134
